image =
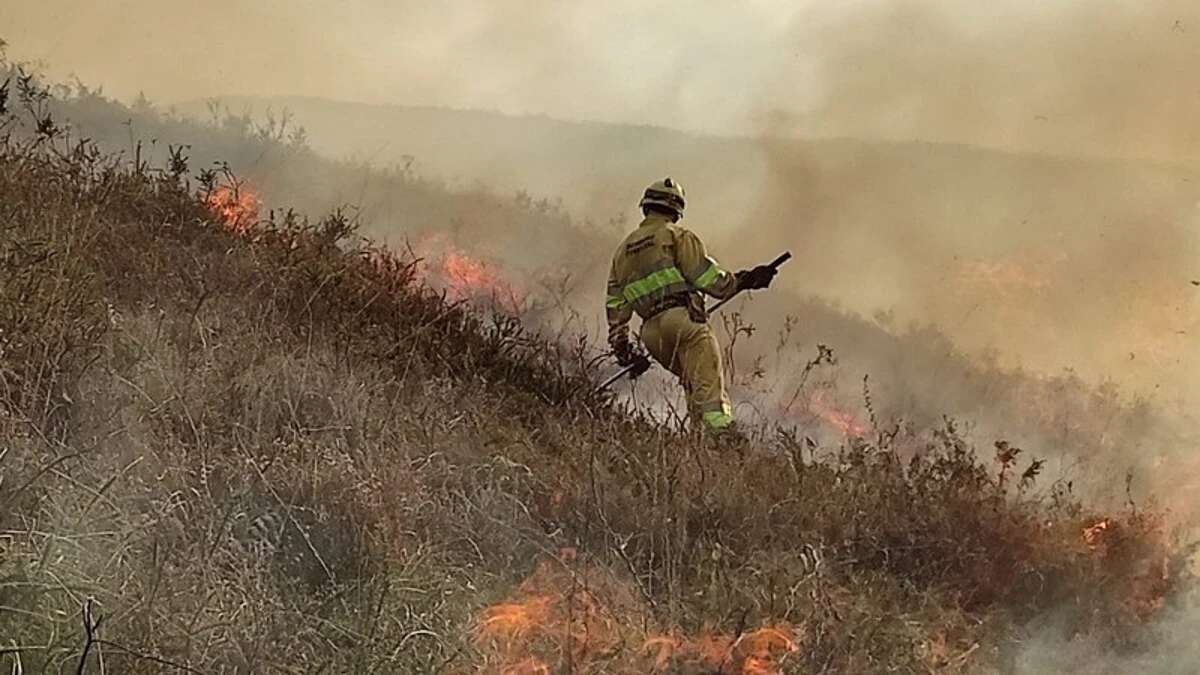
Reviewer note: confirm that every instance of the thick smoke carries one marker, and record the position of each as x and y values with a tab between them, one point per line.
1049	249
1066	77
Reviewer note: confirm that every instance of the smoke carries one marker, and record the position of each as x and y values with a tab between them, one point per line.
1047	252
1067	77
1174	650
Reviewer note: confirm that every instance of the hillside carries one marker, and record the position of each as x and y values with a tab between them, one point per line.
253	442
994	248
532	253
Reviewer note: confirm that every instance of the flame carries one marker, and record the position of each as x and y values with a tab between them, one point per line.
1006	278
465	277
1150	578
513	622
764	650
566	613
759	652
530	666
845	422
555	617
236	205
1094	536
818	407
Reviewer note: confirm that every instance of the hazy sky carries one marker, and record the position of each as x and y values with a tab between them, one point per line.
1112	77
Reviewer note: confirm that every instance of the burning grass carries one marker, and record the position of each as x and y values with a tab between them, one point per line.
573	616
465	277
270	448
235	205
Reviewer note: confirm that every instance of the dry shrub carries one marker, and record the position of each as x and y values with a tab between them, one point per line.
269	448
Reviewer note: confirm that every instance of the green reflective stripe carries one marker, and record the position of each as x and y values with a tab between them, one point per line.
718	419
652	282
615	302
710	276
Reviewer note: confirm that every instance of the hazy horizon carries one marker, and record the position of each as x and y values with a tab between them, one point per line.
1060	78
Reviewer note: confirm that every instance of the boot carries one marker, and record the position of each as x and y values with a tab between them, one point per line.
727	439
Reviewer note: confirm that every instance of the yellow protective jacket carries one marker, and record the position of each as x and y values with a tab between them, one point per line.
656	262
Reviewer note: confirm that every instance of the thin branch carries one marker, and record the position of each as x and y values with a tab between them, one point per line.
90	625
149	657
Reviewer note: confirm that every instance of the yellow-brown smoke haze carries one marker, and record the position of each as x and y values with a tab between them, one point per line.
1113	78
1051	268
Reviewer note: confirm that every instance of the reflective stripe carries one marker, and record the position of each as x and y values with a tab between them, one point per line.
716	415
718	419
653	282
710	276
615	302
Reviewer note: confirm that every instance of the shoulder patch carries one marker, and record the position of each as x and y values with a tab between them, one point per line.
639	244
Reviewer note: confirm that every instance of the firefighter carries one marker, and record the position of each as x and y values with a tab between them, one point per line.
661	271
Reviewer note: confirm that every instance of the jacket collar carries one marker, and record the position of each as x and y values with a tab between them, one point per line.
655	219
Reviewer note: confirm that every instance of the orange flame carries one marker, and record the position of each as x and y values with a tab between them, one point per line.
557	618
568	613
530	666
845	422
515	621
764	649
1150	579
465	277
236	205
1094	535
760	652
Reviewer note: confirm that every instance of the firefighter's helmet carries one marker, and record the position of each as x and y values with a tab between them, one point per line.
666	194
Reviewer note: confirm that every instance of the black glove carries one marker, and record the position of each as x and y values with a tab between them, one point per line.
640	365
756	278
622	348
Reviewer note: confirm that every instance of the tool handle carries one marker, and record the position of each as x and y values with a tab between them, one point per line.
783	257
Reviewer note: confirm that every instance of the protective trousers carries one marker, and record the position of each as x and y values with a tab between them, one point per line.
690	350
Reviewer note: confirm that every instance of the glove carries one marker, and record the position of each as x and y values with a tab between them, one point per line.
640	365
756	278
622	348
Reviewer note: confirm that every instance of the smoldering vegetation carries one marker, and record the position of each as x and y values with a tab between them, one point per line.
251	441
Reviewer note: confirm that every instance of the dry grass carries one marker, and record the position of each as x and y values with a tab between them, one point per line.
275	451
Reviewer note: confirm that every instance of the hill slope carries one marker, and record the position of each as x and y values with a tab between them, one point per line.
533	250
266	446
996	249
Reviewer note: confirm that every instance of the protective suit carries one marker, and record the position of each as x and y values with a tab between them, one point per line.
661	272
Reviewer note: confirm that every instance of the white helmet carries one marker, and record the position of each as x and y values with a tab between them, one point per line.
667	194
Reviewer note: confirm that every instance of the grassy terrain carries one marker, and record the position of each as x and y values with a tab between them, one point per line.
271	448
917	373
